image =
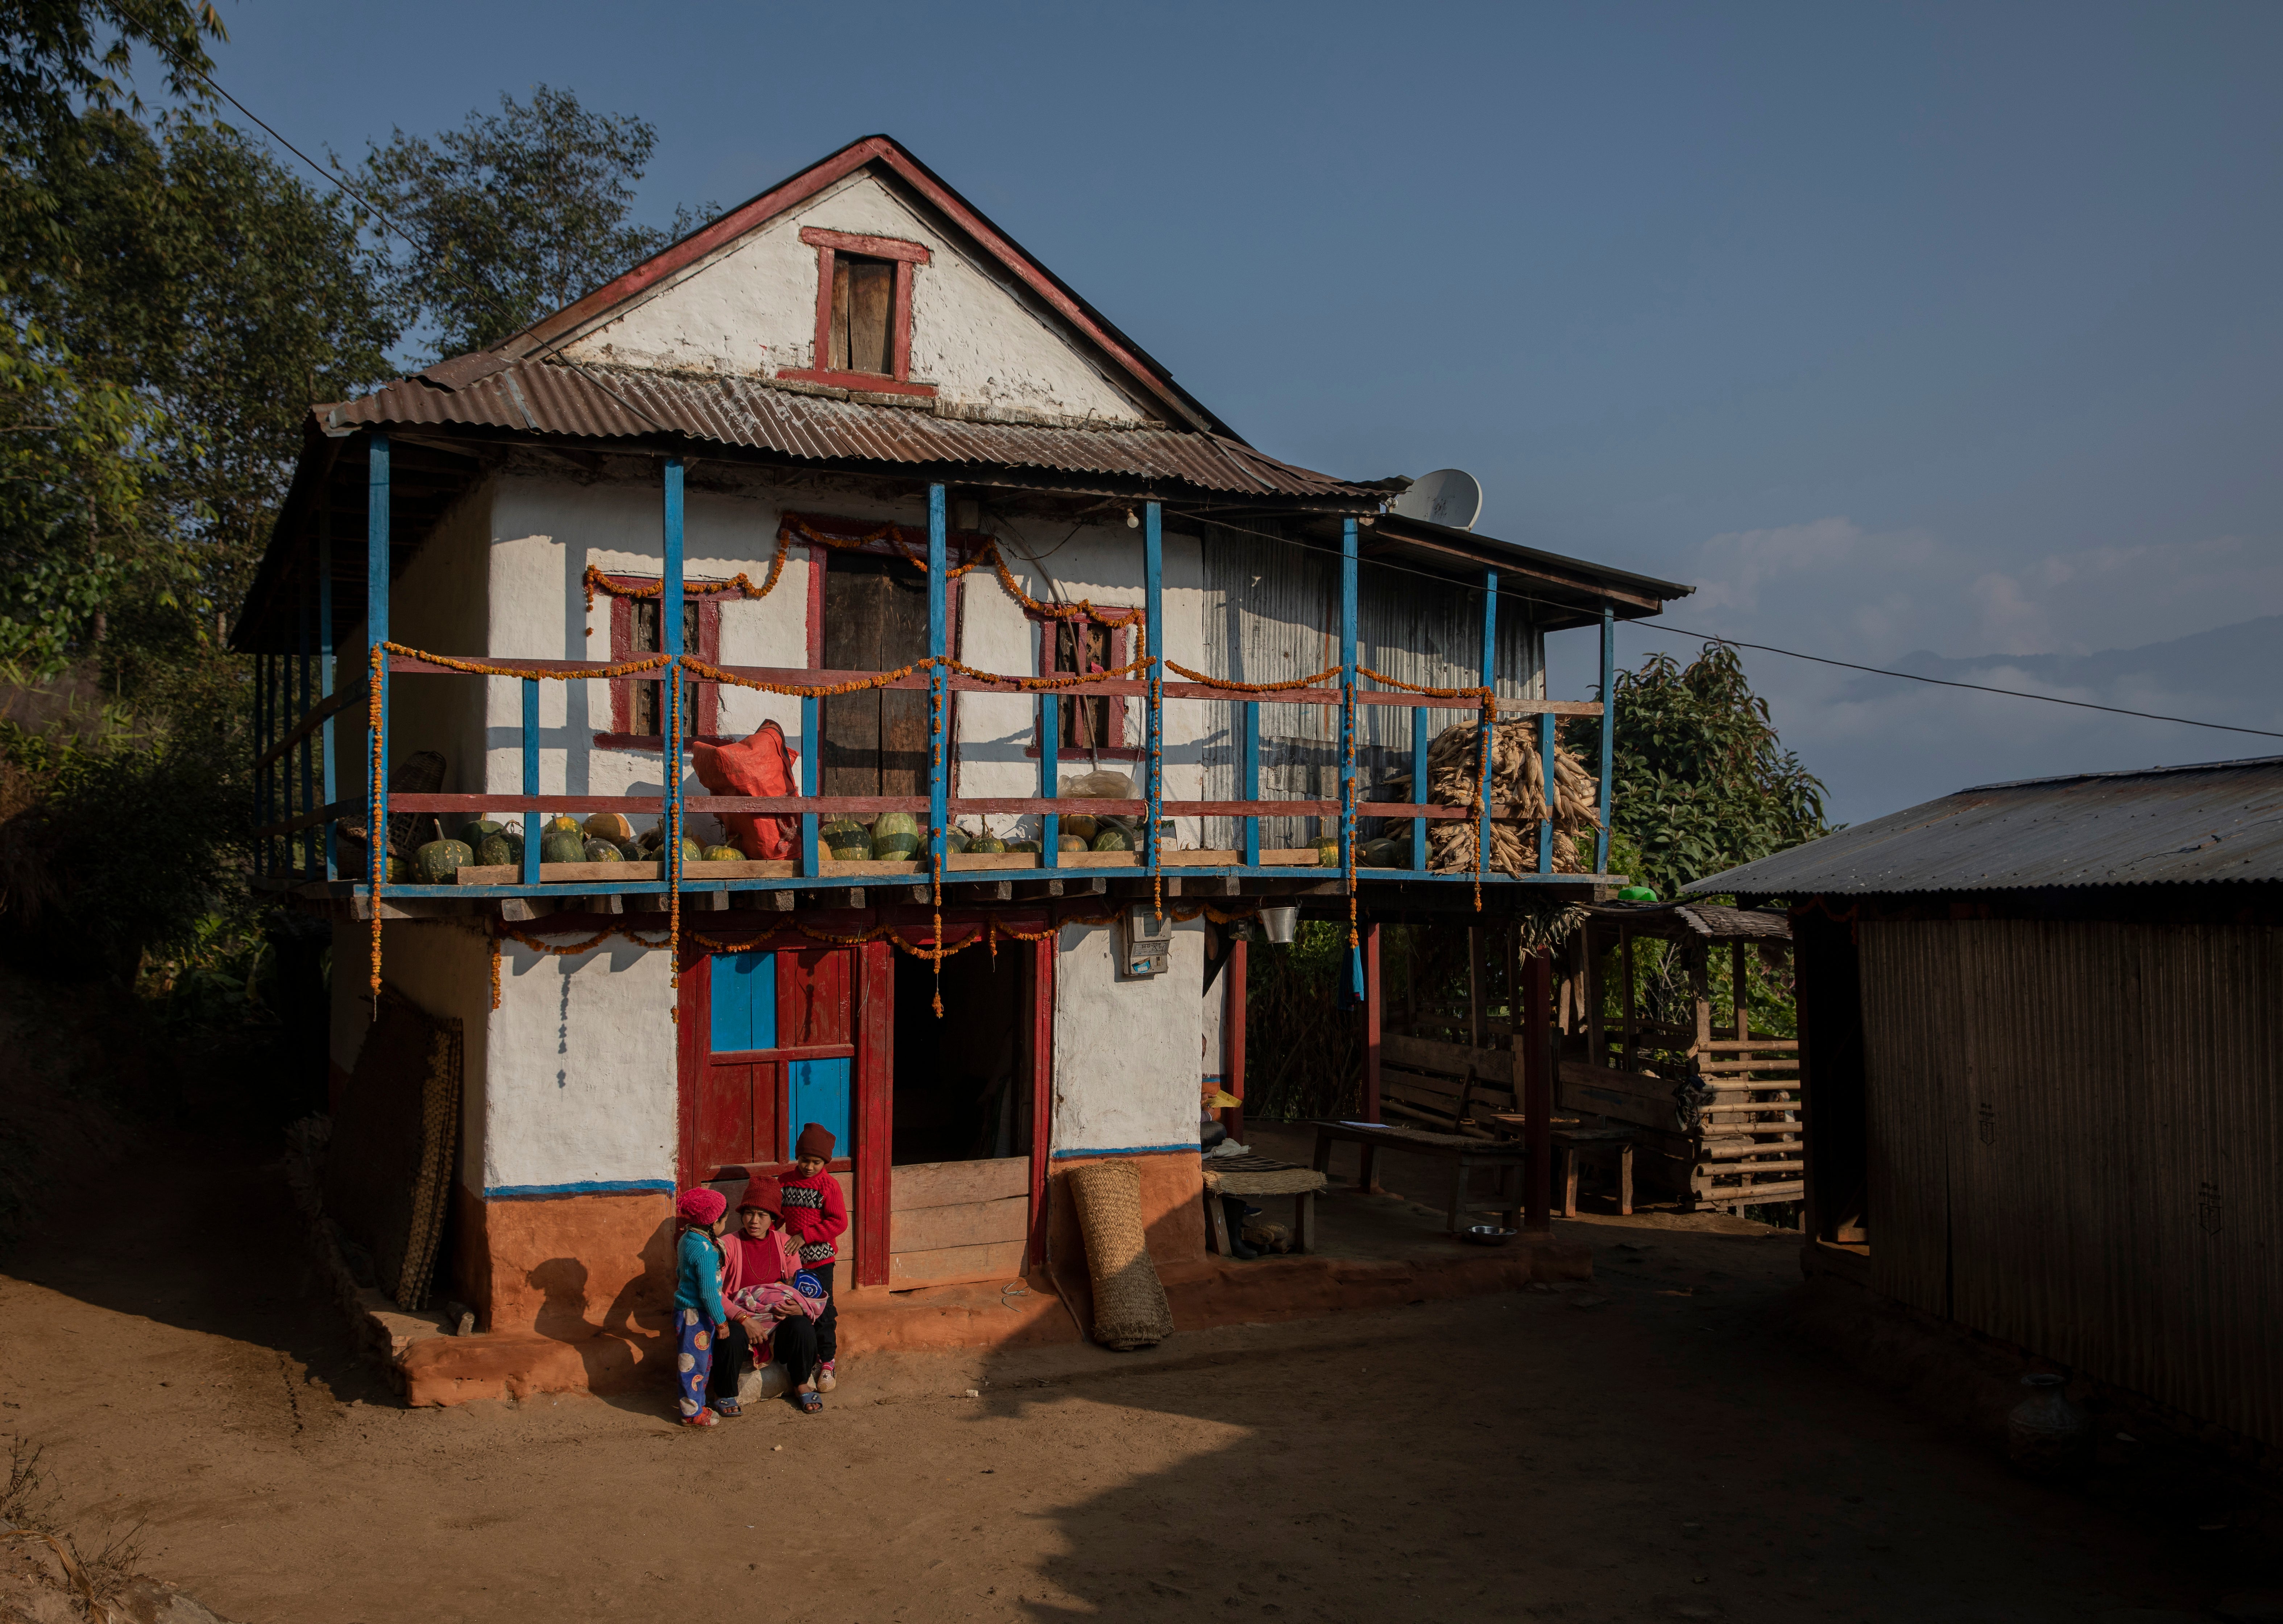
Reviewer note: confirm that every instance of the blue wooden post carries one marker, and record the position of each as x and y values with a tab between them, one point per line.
376	633
670	691
1419	787
1609	731
1251	711
1546	824
1490	680
811	742
533	825
939	681
1153	565
1347	690
1050	754
328	678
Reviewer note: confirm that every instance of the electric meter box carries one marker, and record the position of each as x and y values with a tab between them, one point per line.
1149	943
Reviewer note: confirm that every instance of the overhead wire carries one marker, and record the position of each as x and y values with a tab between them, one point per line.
1767	648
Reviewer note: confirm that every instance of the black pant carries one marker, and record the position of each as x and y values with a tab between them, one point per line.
792	1344
828	1323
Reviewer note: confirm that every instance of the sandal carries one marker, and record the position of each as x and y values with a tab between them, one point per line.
704	1417
808	1401
729	1409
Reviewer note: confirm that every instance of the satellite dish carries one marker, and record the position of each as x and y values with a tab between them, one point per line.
1446	496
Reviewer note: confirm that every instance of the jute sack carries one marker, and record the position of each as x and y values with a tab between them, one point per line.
1130	1310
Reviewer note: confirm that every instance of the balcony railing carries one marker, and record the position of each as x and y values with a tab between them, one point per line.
299	754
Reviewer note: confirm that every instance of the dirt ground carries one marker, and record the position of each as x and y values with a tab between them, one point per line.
1651	1447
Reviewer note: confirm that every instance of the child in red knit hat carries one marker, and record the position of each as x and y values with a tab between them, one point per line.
818	1214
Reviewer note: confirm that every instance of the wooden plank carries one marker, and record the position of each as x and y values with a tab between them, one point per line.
991	860
974	1223
956	1265
558	874
1786	1044
954	1183
1428	1054
1422	1085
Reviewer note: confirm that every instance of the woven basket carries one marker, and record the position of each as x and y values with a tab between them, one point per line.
1130	1310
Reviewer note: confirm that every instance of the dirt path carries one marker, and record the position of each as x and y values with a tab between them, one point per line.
1644	1450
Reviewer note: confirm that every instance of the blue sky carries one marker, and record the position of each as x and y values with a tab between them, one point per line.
1934	329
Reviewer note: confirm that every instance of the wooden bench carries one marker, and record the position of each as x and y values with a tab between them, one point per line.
1467	1151
1574	1142
1442	1086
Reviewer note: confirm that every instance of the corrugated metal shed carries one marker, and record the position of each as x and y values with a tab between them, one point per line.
2203	825
592	403
2073	1130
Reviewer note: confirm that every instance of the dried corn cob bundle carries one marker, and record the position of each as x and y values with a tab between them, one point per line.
1518	779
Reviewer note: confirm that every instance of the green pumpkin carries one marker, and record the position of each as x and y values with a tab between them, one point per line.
1113	840
562	846
895	823
1023	846
722	853
895	848
473	835
602	851
1328	853
400	873
1377	854
562	823
847	839
1071	843
436	863
1081	825
500	851
954	839
988	843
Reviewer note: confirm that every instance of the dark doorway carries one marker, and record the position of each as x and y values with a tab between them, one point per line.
962	1089
875	619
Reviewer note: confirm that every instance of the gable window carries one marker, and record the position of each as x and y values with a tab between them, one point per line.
863	313
637	720
1091	725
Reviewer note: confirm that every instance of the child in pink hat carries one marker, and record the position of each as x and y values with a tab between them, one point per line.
699	1315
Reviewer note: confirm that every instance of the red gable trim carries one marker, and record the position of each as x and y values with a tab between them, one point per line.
806	184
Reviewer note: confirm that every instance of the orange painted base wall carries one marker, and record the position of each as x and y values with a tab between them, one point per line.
1172	1210
567	1266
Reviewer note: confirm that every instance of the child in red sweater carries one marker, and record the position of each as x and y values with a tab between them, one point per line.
818	1214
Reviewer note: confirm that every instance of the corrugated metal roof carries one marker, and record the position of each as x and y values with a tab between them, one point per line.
2203	824
598	403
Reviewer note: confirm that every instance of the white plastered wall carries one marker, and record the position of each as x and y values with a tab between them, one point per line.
986	341
1102	564
438	604
581	1092
1126	1068
545	533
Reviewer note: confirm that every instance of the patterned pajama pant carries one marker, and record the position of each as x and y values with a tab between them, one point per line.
693	1360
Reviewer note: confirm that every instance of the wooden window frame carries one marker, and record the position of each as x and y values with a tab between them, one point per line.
1121	640
906	257
706	724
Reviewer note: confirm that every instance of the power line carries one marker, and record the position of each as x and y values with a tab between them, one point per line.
1766	648
1943	682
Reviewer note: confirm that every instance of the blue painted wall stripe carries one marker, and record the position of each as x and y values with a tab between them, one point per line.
589	1187
1131	1150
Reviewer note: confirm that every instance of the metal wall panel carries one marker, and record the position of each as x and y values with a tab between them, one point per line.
2076	1145
1273	613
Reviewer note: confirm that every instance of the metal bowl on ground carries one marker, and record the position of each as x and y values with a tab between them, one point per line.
1487	1234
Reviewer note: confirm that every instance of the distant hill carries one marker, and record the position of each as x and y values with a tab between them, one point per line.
2231	663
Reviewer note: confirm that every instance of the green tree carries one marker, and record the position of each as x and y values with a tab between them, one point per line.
58	58
1702	782
191	271
516	215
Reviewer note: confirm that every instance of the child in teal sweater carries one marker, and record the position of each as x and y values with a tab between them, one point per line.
699	1315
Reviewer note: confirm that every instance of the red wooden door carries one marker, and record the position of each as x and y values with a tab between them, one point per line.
764	1034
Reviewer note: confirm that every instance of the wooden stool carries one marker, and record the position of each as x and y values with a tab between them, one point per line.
1574	1144
1260	1176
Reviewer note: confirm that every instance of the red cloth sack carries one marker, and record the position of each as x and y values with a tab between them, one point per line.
760	765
